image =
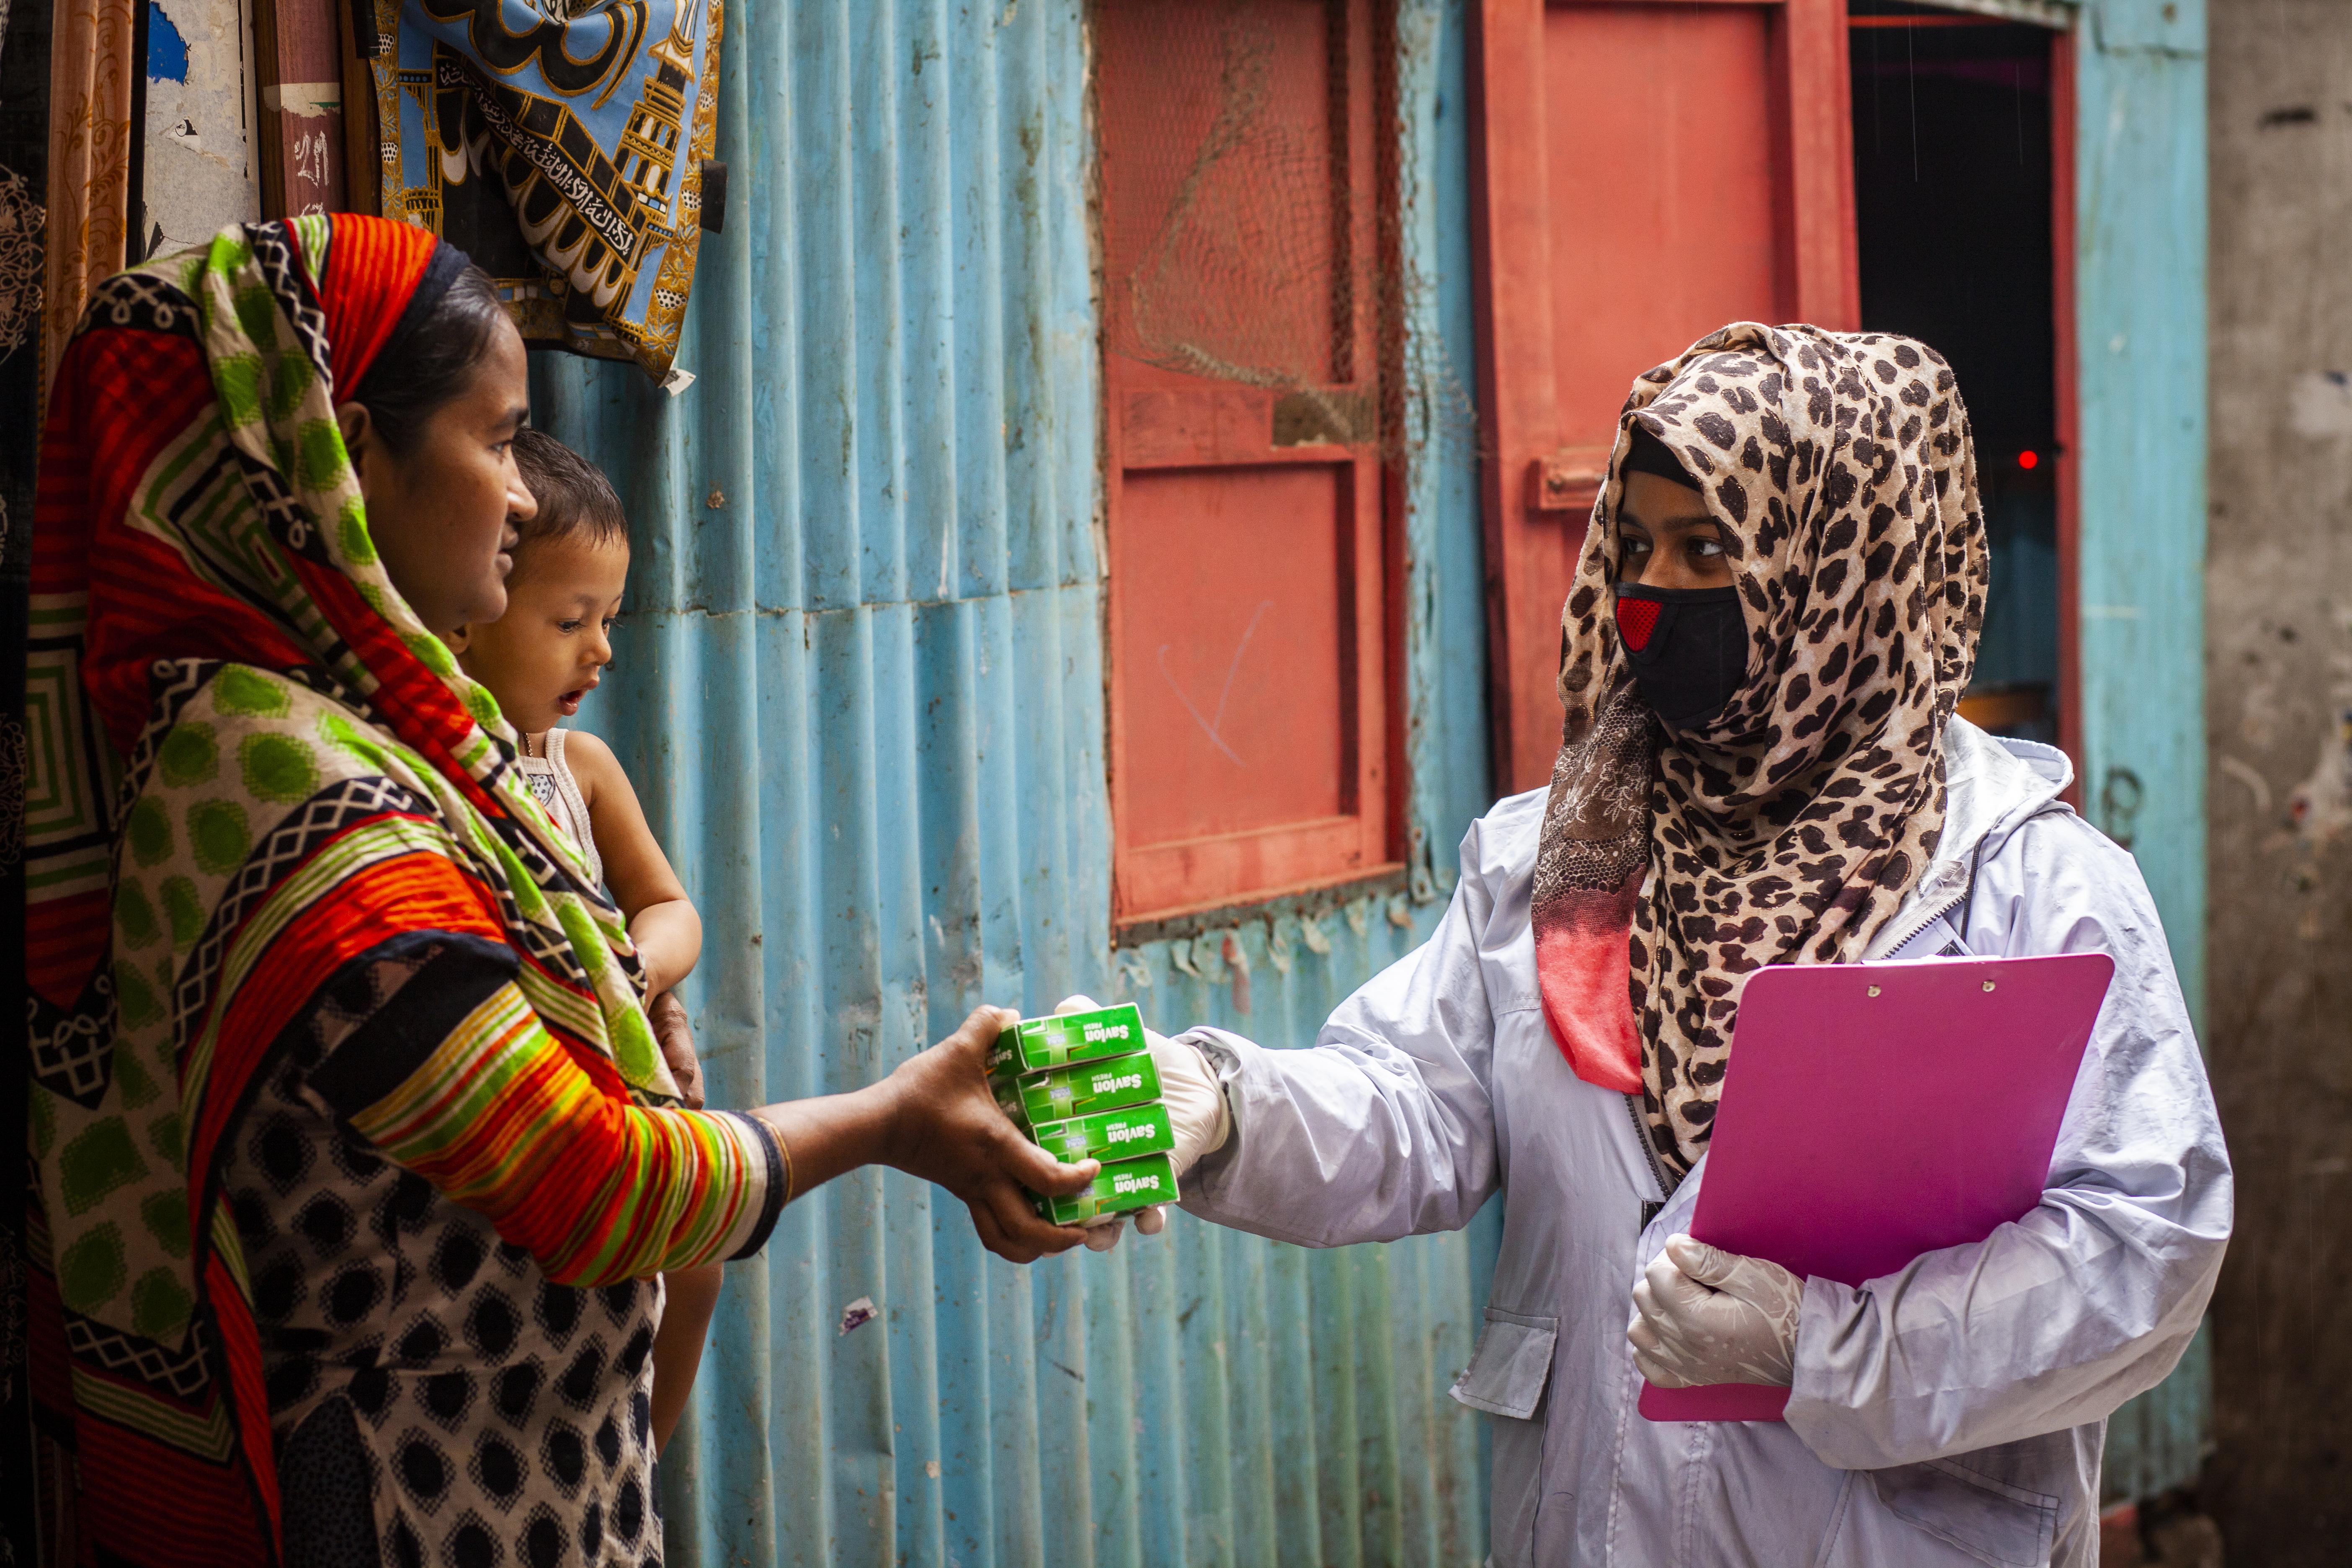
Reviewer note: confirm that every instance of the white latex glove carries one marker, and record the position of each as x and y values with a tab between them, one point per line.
1702	1315
1196	1113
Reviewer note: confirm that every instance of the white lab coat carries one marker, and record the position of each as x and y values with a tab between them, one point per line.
1946	1416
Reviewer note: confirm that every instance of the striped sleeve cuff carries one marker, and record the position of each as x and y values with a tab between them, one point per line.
759	1219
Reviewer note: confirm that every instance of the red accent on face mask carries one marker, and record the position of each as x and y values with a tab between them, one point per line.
1636	619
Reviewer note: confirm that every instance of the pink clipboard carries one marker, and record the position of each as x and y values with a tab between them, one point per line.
1874	1111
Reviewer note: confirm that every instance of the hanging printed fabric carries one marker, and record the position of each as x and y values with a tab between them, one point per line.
560	146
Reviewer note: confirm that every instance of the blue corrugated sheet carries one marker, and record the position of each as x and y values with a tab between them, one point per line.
2140	340
860	688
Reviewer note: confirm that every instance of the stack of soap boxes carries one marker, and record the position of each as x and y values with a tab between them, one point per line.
1083	1086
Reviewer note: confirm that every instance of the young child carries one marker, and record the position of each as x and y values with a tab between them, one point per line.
541	659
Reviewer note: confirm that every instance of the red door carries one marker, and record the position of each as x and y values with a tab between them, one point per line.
1646	172
1252	709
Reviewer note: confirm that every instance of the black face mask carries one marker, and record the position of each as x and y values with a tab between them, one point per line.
1688	648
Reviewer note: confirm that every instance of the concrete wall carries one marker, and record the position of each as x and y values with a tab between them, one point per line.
2279	651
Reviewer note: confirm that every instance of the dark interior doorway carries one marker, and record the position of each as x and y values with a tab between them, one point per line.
1952	195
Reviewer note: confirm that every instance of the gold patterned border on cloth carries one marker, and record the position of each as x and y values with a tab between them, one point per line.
562	150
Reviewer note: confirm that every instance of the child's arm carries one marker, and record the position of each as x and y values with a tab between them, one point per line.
662	920
693	1296
668	934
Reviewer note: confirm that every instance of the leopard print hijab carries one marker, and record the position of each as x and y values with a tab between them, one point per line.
1788	829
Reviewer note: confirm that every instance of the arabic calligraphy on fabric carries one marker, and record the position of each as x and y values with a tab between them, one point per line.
562	152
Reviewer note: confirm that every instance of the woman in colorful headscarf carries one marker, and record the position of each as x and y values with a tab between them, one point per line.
1775	615
357	1162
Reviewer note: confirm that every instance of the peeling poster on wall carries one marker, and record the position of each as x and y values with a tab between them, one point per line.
200	171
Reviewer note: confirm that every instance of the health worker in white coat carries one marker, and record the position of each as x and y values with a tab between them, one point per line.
1775	615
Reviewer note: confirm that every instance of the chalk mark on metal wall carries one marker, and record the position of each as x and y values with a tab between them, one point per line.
1212	727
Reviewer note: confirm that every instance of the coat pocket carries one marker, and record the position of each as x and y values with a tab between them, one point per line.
1987	1502
1511	1365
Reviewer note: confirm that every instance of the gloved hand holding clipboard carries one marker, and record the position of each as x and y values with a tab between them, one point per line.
1874	1112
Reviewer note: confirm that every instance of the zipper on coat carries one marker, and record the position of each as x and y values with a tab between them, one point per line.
1649	1154
1963	899
1930	918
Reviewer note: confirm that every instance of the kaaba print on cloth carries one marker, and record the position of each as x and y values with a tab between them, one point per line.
562	148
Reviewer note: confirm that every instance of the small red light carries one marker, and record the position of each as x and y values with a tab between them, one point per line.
2028	460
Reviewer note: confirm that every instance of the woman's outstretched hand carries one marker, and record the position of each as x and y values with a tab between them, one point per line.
934	1118
951	1130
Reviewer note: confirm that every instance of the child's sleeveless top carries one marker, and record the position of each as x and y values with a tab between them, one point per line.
551	780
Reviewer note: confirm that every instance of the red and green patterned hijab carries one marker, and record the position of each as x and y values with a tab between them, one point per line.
243	744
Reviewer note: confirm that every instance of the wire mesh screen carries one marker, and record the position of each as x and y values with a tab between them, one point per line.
1227	207
1249	232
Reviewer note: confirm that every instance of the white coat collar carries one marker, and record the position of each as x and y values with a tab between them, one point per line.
1993	785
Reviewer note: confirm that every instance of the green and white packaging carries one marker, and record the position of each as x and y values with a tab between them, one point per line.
1063	1093
1085	1087
1008	1100
1129	1185
1060	1040
1107	1135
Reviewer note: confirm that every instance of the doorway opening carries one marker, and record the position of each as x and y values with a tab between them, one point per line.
1954	161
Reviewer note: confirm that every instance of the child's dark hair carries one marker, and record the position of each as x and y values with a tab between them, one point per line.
575	499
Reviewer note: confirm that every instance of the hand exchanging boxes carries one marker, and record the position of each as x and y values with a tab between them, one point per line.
1084	1087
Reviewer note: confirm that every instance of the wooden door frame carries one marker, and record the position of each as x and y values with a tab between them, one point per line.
2067	365
302	140
1818	280
1509	258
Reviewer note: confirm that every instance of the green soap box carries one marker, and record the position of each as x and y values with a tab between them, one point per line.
1081	1090
1129	1184
1108	1134
1035	1044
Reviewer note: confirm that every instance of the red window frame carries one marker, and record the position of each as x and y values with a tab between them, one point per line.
1161	423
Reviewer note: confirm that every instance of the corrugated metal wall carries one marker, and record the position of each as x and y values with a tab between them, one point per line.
2140	181
862	693
861	690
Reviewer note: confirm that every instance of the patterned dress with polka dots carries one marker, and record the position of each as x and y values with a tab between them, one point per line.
422	1373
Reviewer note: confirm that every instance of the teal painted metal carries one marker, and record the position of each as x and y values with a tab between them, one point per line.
860	688
2141	338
